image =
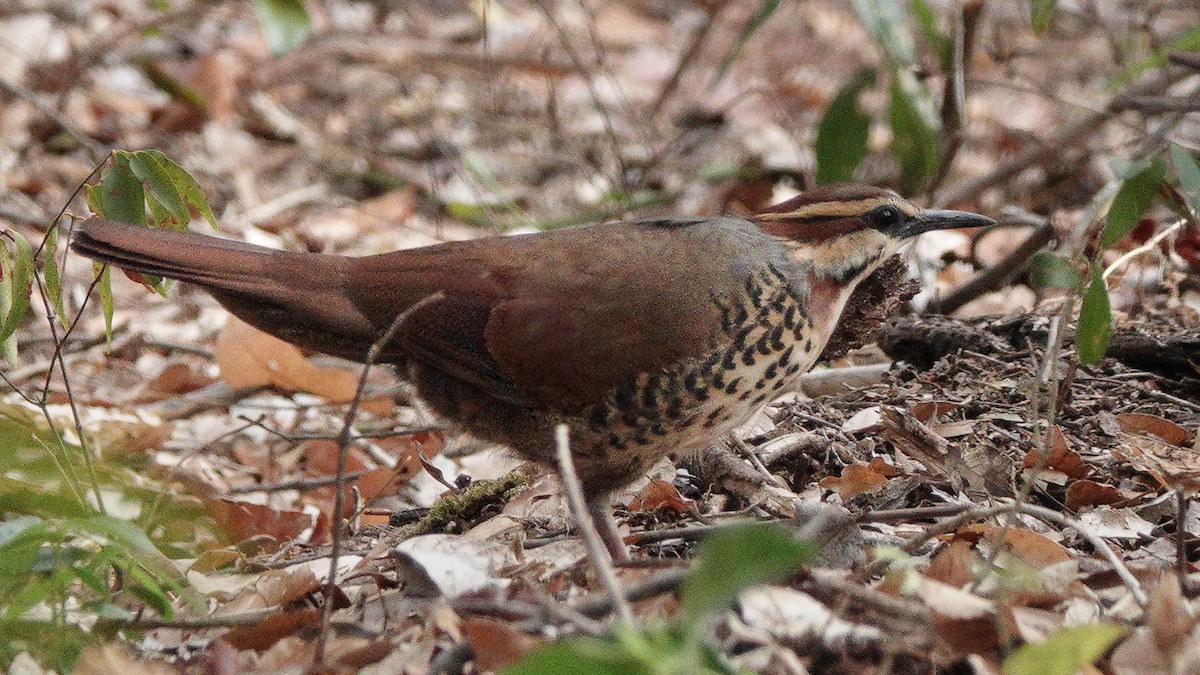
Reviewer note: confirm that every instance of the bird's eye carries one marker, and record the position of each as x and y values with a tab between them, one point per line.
886	216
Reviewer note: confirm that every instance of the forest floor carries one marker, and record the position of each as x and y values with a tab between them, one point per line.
1012	490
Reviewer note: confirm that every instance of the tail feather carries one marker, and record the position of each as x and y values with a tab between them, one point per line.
299	297
217	264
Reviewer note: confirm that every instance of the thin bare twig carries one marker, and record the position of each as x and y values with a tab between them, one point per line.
952	524
587	528
688	57
1072	134
1150	245
344	439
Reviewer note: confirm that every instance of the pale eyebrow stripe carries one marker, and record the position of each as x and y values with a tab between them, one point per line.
839	209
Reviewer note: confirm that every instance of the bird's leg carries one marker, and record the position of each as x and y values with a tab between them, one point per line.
600	510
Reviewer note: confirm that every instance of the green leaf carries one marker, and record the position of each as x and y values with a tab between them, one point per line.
1065	652
1188	41
926	19
285	24
16	287
187	186
765	9
887	21
161	189
51	275
734	558
104	290
1053	270
841	140
1095	321
1131	202
119	195
1188	173
651	650
915	139
582	655
1041	12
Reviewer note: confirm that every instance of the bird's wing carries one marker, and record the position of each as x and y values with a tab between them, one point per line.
563	316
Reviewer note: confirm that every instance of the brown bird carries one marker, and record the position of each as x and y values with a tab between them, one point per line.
645	338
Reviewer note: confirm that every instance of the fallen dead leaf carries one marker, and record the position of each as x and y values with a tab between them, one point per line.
1084	493
927	411
242	520
661	495
117	659
856	479
954	564
1062	458
1142	423
272	629
249	357
495	644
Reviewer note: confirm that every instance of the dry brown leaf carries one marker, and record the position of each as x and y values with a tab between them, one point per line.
1171	465
1142	423
495	644
1028	546
124	436
660	495
880	466
1168	615
242	520
370	653
954	564
1083	493
967	622
174	379
856	479
249	357
1062	458
927	411
117	659
276	588
272	629
320	459
409	451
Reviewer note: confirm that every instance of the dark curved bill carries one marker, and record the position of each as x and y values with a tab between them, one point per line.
936	219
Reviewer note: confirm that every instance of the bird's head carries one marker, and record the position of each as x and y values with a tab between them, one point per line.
845	231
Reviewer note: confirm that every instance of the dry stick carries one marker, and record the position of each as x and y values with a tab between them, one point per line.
1043	434
952	524
21	91
689	55
581	69
587	528
298	484
1185	59
997	276
360	435
1153	105
344	439
966	23
1072	134
1181	509
1150	245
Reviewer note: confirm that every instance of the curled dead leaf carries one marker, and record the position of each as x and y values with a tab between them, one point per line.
1062	458
272	629
1142	423
856	479
249	357
661	495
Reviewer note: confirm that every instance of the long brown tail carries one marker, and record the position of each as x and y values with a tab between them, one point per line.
299	297
219	264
